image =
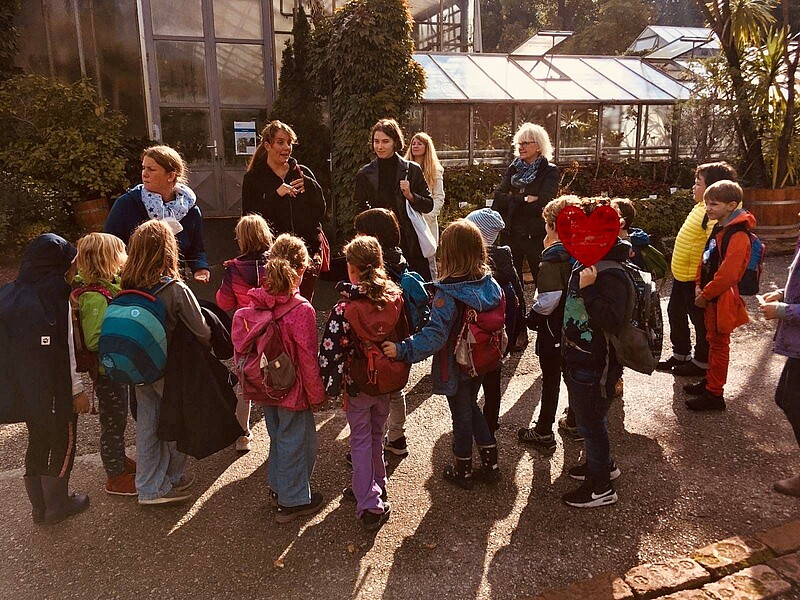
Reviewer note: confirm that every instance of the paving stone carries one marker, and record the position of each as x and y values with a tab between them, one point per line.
606	586
656	579
754	583
783	539
689	595
731	555
787	567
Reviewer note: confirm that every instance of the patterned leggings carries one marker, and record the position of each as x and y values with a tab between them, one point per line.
112	400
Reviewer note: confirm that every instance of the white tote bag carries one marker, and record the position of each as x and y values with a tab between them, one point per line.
427	242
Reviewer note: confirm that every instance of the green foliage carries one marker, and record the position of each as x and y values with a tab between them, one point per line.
625	179
473	185
370	72
61	136
662	217
8	37
617	24
507	23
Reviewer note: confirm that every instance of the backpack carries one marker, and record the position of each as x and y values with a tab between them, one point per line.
638	343
368	367
86	361
750	281
133	337
416	298
267	371
481	339
654	262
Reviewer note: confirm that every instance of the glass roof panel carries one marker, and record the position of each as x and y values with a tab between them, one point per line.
469	77
510	77
674	89
552	80
590	79
635	84
437	84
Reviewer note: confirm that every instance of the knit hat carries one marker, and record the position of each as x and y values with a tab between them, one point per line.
489	222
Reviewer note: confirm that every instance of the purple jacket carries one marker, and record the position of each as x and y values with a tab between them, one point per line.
787	336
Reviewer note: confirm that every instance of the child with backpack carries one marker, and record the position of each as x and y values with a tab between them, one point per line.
240	275
370	312
100	258
40	385
275	350
151	279
686	257
382	224
546	318
724	263
501	262
595	306
467	296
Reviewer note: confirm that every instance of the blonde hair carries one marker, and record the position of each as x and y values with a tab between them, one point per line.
528	132
253	234
287	257
267	135
430	161
365	254
552	209
100	256
152	254
170	160
724	191
463	251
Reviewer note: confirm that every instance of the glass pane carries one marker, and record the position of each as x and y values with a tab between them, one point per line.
578	133
475	83
241	74
632	82
181	71
177	17
414	123
189	132
229	143
280	46
237	19
555	83
539	115
590	79
492	127
448	125
618	135
437	84
656	77
511	78
38	22
656	131
282	16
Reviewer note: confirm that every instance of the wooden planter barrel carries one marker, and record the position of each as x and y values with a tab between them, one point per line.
90	215
776	211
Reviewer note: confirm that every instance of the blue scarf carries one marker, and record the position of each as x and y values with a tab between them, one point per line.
177	208
526	173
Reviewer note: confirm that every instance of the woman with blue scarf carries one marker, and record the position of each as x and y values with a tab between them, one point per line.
530	182
163	195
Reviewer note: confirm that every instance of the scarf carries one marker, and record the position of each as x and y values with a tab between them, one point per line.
526	173
177	208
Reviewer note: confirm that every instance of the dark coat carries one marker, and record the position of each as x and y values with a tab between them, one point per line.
198	409
34	324
301	216
502	265
525	218
366	197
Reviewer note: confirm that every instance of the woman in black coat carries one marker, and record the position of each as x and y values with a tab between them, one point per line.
389	182
530	182
286	194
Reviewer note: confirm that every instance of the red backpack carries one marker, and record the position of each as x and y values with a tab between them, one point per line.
86	361
369	368
266	369
481	341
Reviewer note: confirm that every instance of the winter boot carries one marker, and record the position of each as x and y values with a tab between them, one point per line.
33	485
461	473
60	504
489	471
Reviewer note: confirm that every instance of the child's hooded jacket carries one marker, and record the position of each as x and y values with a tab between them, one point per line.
241	275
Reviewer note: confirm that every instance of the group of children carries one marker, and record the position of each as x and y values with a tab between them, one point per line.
369	340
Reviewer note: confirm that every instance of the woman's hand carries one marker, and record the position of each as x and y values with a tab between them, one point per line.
405	187
389	349
80	404
286	190
776	296
531	198
588	276
299	185
202	275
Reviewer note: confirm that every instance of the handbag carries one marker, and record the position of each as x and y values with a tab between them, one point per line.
427	242
324	246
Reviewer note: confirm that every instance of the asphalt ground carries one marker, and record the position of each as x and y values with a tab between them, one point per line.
687	480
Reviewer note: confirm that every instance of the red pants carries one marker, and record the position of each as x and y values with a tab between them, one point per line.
719	353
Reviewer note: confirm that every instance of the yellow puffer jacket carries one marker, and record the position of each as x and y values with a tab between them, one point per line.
690	243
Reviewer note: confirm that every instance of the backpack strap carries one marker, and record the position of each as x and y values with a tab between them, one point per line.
611	265
286	307
92	287
728	234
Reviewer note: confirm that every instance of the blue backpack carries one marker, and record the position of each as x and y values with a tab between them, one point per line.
750	282
133	337
416	298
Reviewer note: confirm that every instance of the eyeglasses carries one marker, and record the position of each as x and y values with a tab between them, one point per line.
524	144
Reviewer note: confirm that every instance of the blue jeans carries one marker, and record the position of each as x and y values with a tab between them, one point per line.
367	418
159	465
468	420
787	396
292	453
591	410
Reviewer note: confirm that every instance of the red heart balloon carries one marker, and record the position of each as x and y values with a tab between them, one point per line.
588	239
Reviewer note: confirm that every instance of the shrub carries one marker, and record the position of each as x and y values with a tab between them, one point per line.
662	217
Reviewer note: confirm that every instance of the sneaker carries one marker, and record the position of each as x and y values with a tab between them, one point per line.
129	465
184	483
243	444
173	497
123	484
581	470
349	495
571	431
697	388
531	436
666	366
284	514
706	401
689	369
373	521
586	497
397	447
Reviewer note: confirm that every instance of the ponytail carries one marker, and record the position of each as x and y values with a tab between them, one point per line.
365	254
287	257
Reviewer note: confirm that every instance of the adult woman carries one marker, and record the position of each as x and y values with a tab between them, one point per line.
530	182
164	195
390	181
422	151
287	195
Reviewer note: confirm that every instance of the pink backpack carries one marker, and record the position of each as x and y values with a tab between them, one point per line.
481	340
265	369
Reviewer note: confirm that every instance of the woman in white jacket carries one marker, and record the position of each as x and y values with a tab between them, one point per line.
422	151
